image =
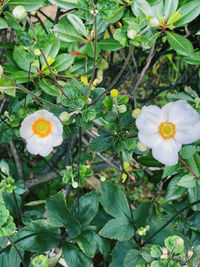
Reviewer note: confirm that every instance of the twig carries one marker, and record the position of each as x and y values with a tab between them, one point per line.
151	54
18	252
187	167
18	163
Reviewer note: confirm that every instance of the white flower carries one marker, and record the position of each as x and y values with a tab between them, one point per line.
166	129
42	131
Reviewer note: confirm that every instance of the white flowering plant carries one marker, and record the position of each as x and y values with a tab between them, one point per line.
99	133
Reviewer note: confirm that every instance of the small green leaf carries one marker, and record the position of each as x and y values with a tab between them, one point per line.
108	102
78	24
180	44
3	24
63	62
188	151
114	229
65	4
87	243
89	114
109	44
101	143
156	251
121	35
173	190
188	181
168	170
67	33
170	7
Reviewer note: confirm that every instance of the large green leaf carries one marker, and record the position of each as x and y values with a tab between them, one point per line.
3	24
101	143
58	215
173	190
189	11
188	181
119	228
4	213
63	62
24	59
180	44
50	51
74	257
87	243
67	33
170	7
141	8
114	200
133	258
109	44
194	163
194	195
28	4
78	24
41	237
48	87
86	208
66	4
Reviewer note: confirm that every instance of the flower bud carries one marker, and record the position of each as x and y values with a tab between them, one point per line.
4	169
103	178
89	101
19	12
1	71
64	116
122	108
141	147
189	255
75	185
179	242
136	112
37	52
131	34
153	22
114	92
197	100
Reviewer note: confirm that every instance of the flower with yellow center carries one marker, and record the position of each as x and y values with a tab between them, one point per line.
42	131
165	130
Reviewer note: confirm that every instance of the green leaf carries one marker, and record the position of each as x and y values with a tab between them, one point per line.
116	16
108	102
121	35
171	244
58	215
194	195
188	151
74	257
103	245
101	143
78	24
4	213
76	104
156	251
114	229
109	44
48	87
194	163
189	11
122	99
87	243
50	51
65	4
89	114
24	59
86	208
29	5
168	170
148	160
133	258
3	24
63	62
74	88
42	237
141	8
188	181
180	44
119	252
114	200
67	33
173	190
170	7
130	144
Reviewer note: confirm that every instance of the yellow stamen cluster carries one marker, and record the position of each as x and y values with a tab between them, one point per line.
167	130
41	127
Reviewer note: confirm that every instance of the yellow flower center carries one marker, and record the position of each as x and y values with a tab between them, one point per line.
167	130
41	127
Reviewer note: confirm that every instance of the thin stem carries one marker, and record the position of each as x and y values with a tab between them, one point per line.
187	167
171	220
118	76
18	252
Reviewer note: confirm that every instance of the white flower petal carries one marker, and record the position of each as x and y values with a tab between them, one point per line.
188	135
166	151
37	145
56	125
182	114
148	139
149	119
56	140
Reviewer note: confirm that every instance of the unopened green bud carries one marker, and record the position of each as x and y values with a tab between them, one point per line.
1	71
141	147
136	112
37	52
122	108
19	12
153	22
179	242
197	100
103	178
131	34
4	169
75	185
64	116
